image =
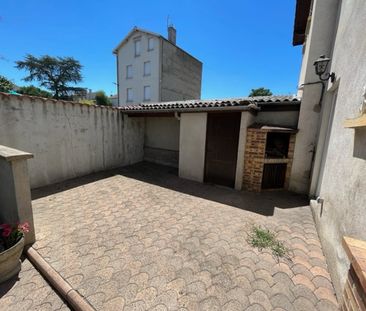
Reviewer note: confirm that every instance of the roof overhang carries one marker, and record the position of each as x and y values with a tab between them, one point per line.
301	18
253	105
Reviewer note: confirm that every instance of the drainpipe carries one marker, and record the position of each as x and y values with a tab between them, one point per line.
177	115
117	80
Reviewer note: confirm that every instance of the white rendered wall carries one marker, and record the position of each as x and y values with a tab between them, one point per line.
319	41
69	140
126	56
192	146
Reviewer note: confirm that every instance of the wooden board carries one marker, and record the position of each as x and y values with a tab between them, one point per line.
356	252
357	122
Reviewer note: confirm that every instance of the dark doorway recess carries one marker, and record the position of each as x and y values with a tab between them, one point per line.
222	140
274	176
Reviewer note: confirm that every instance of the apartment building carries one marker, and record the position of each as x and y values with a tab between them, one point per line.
151	68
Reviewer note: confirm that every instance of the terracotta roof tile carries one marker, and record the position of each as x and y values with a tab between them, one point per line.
197	104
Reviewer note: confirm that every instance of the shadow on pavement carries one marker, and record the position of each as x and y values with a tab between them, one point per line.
262	203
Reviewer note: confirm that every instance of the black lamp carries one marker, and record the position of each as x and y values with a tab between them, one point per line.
321	65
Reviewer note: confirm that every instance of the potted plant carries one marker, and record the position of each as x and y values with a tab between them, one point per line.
11	248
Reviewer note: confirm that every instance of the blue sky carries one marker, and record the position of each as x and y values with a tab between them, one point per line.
243	44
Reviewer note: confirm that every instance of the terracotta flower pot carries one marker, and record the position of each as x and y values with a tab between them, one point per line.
10	261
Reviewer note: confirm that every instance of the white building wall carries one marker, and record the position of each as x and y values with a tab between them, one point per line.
192	146
126	56
319	41
343	184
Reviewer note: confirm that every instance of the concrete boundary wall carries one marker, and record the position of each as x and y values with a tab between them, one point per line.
68	139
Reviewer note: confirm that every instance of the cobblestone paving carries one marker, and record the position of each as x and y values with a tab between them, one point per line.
142	239
29	291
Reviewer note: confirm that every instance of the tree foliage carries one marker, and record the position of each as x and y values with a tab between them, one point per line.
34	91
53	73
102	99
260	92
5	84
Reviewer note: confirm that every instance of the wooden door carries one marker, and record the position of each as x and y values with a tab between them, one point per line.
222	140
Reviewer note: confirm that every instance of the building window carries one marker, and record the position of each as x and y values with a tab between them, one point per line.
137	47
147	93
129	72
147	68
129	95
150	44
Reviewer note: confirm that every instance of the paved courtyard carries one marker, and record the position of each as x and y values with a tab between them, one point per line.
140	238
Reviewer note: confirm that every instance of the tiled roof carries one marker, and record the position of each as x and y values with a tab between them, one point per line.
243	103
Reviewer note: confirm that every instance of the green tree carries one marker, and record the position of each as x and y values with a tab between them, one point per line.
53	73
260	92
102	99
34	91
5	84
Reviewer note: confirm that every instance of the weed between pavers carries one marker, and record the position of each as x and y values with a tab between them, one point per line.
263	238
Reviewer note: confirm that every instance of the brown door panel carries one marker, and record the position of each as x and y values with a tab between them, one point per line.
222	148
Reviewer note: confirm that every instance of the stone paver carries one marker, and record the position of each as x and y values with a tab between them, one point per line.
29	291
140	238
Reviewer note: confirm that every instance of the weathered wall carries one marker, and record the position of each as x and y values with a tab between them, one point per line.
68	140
343	185
162	140
181	74
192	145
319	41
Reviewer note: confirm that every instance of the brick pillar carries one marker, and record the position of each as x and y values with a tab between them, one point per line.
290	156
254	159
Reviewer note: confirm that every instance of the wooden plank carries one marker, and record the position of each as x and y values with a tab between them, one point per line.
357	122
356	252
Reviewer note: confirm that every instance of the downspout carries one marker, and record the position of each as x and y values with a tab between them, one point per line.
117	80
322	92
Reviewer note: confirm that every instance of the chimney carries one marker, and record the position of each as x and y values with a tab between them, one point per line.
172	34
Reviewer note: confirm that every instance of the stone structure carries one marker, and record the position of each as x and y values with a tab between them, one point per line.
151	68
15	196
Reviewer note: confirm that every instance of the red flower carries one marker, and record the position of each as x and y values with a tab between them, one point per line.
6	230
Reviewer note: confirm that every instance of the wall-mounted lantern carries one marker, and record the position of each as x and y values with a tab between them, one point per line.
321	65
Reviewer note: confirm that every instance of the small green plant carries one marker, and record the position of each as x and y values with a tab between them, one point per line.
263	238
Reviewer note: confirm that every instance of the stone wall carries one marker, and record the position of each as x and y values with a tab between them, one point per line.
68	139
